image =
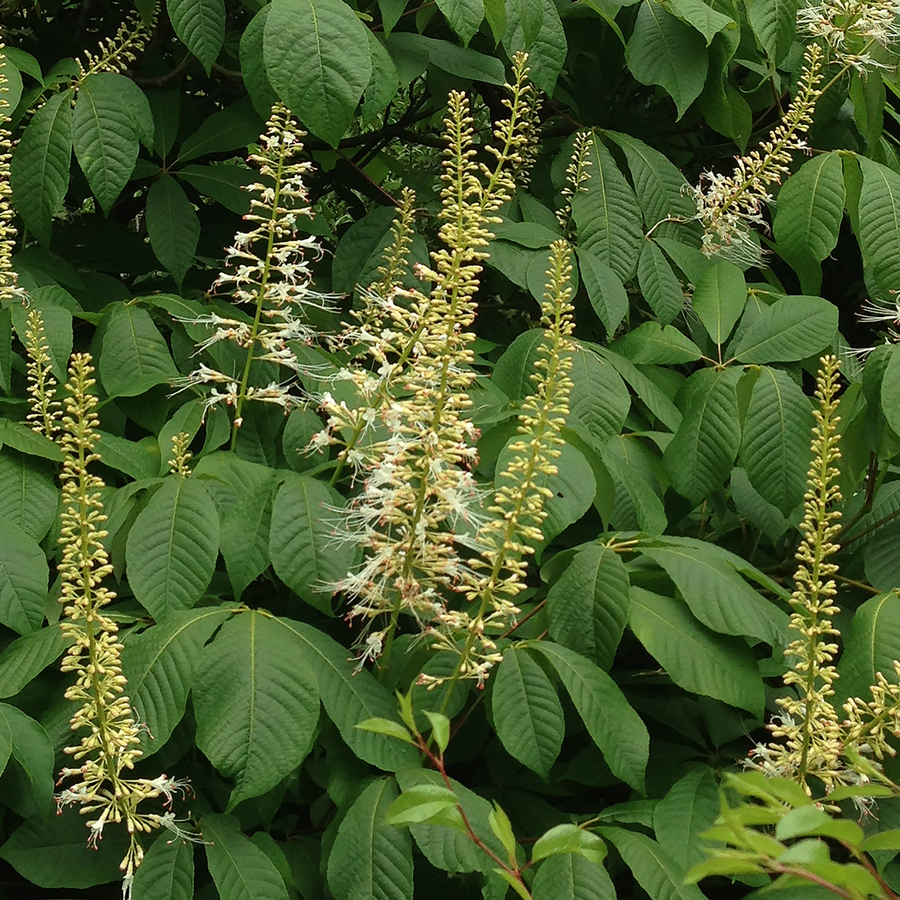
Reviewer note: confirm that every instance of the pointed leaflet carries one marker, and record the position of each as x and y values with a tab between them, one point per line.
351	696
527	713
200	26
40	164
27	656
607	214
656	872
717	595
700	456
611	722
23	579
28	496
599	397
688	809
879	223
872	645
647	391
240	870
547	52
171	551
791	329
664	51
368	859
810	209
774	24
231	128
775	451
696	658
317	58
719	299
658	283
604	288
890	388
655	344
167	872
106	141
572	877
463	16
160	664
706	20
587	607
172	225
302	539
256	701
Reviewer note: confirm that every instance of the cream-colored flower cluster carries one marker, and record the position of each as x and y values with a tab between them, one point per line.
850	29
267	271
115	54
9	284
577	177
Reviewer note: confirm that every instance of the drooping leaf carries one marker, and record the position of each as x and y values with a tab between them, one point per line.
27	656
658	283
879	222
547	50
40	164
663	50
172	225
776	429
172	547
587	606
231	128
700	456
200	26
23	579
709	22
167	872
572	877
607	215
350	696
610	720
463	16
688	809
256	700
696	658
318	60
527	713
774	24
368	858
719	299
160	664
224	183
604	288
240	870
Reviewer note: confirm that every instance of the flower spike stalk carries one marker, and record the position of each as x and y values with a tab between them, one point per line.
115	54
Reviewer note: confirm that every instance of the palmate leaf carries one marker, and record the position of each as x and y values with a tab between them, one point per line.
663	50
256	701
171	551
370	860
160	664
317	58
200	26
167	872
697	659
572	877
700	456
351	696
527	713
104	135
879	223
607	215
609	718
775	450
587	606
240	870
872	645
40	164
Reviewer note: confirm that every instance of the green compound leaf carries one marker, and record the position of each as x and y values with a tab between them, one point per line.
609	718
27	656
171	551
719	299
587	606
240	870
370	860
879	223
658	283
791	329
664	51
607	215
351	696
463	16
696	658
527	713
302	539
774	23
135	356
547	50
40	164
23	579
700	456
572	877
688	809
173	226
604	288
167	872
104	135
317	58
160	664
655	870
256	700
775	451
28	497
810	209
200	26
